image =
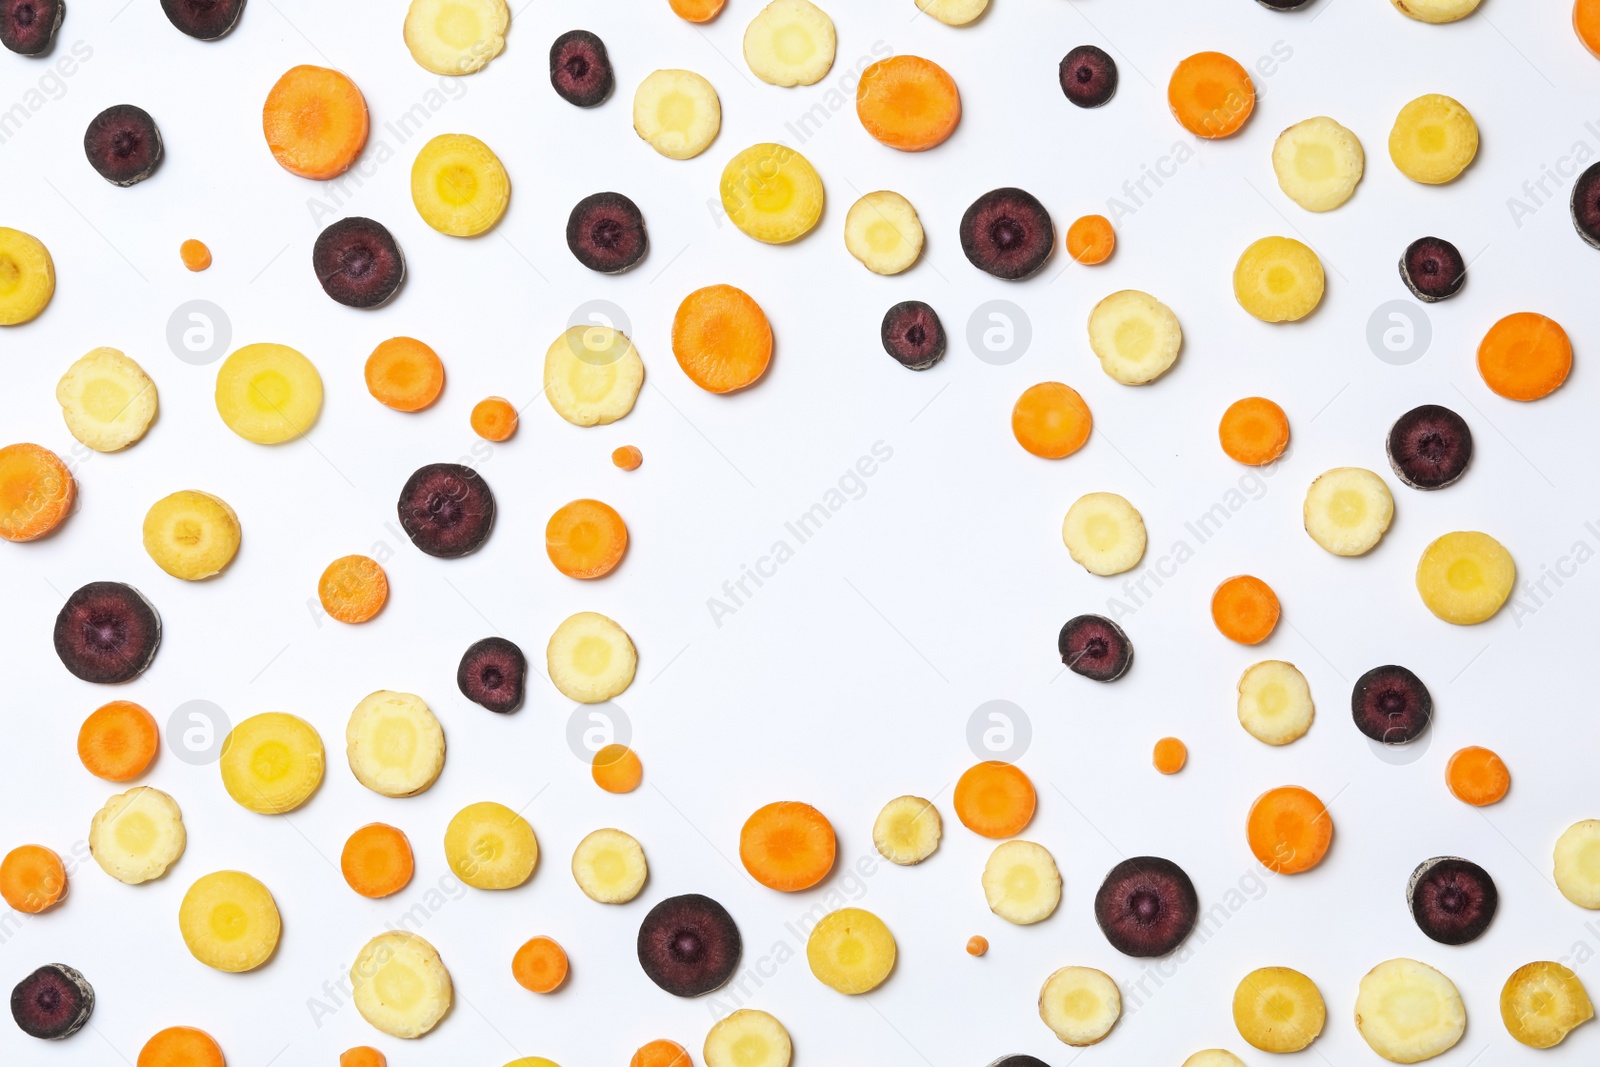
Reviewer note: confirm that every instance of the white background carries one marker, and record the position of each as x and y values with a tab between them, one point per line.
849	677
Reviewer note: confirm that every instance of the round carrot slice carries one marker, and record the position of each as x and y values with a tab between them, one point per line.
363	1056
1211	95
195	255
1254	431
787	846
494	419
118	741
1525	356
617	769
1289	829
316	122
1245	609
1586	23
353	589
1091	240
377	860
1051	420
36	492
722	338
404	374
661	1052
1170	755
908	102
995	799
627	458
696	10
1477	776
586	539
540	965
182	1046
32	879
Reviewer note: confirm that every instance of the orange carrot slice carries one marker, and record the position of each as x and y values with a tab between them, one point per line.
404	374
908	102
1254	431
540	965
1091	240
182	1046
696	10
494	419
1289	829
1170	755
722	338
363	1056
1477	776
195	255
36	492
315	121
377	860
1525	356
586	539
617	769
995	799
1211	95
661	1052
32	879
1051	420
1586	22
627	458
353	589
118	741
977	945
1245	609
787	846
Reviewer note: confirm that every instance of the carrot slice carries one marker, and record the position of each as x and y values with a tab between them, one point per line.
661	1052
977	945
1289	829
494	419
404	374
627	458
353	589
1170	755
908	102
1586	21
1051	420
118	741
182	1046
696	10
586	539
1245	609
722	338
363	1056
540	965
787	846
32	879
377	860
1091	240
995	799
36	492
195	255
1254	431
1477	776
1525	356
316	122
1211	95
617	769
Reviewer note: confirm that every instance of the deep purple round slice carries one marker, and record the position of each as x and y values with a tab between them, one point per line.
1019	1060
52	1003
107	632
1391	705
358	262
29	27
913	335
689	945
1283	5
1088	76
1095	647
1146	906
1453	900
1008	233
1586	205
1430	447
206	20
447	510
606	233
123	144
580	68
493	673
1433	269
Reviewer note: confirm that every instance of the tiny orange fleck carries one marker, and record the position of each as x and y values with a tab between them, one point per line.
627	457
196	256
977	946
1170	755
